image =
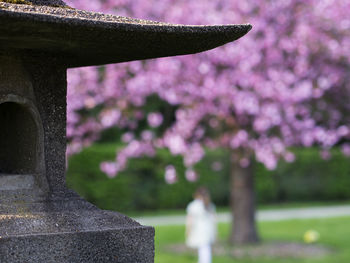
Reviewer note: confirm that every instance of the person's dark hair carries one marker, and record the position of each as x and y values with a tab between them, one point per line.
203	193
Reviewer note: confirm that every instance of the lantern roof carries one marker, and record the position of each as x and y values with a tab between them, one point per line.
81	38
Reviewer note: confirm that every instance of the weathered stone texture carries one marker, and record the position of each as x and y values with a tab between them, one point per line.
83	38
40	219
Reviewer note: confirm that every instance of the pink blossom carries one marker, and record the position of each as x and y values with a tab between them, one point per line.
289	157
284	84
244	162
155	119
343	130
110	118
127	137
175	143
191	175
147	135
170	174
193	154
346	149
239	139
214	123
325	154
109	168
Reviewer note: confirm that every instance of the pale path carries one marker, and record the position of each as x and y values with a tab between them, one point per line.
265	215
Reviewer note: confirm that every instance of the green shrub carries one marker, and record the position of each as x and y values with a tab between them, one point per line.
142	185
309	178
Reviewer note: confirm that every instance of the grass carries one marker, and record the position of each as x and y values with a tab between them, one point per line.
334	233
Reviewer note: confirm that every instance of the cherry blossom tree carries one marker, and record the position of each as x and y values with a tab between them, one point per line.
284	84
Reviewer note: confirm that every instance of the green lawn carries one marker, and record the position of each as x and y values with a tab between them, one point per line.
334	233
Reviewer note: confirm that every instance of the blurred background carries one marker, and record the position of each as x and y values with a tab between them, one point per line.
263	123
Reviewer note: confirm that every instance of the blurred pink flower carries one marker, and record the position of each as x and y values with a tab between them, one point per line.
244	162
155	119
170	174
289	157
110	118
127	137
109	168
346	149
175	143
147	135
191	175
325	154
259	102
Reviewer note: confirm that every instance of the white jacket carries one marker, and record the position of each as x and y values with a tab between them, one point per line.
201	224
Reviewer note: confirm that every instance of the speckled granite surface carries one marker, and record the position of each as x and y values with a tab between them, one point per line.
86	236
53	3
83	38
44	221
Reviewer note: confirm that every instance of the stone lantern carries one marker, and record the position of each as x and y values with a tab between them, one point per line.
40	219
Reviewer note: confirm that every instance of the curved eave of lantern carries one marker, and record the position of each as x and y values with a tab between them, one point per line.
83	38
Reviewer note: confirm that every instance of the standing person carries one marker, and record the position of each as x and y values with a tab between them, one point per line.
201	224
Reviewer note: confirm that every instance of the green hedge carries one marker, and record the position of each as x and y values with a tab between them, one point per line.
309	178
142	186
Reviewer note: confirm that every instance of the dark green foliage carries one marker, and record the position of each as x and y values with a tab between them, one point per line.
142	186
308	178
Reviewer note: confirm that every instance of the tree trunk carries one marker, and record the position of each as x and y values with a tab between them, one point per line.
242	196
